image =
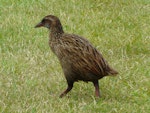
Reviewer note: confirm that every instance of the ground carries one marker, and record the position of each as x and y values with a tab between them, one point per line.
31	78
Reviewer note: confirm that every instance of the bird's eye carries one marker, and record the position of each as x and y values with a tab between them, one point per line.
43	20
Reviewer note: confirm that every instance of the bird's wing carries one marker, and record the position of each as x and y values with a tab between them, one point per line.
82	56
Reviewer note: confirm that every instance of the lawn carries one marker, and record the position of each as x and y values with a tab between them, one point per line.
31	77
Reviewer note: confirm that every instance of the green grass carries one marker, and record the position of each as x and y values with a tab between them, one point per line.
31	78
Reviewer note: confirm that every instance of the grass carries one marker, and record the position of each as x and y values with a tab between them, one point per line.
31	78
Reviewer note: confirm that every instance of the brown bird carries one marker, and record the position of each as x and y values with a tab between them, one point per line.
78	58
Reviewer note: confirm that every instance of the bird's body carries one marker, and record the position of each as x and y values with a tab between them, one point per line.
78	58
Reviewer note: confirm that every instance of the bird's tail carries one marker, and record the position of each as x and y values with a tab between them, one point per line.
111	71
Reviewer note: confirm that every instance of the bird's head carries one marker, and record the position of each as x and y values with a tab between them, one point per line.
50	22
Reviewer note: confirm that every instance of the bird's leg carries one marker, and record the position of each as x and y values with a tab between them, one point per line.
70	85
96	85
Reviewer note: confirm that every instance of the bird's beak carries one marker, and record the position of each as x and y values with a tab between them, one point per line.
39	25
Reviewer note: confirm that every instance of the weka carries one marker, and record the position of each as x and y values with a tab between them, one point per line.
78	58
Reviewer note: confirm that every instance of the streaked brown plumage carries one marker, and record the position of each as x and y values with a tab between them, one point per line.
78	58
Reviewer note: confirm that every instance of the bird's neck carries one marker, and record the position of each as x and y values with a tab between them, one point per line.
56	32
